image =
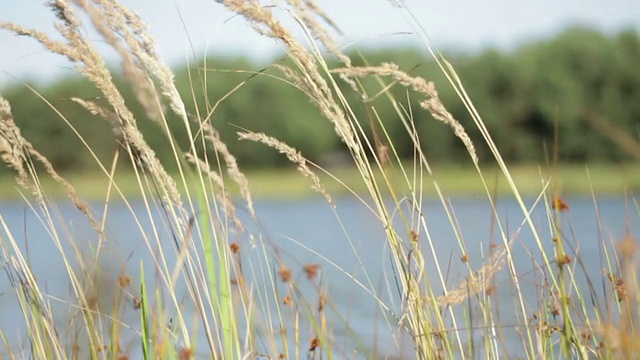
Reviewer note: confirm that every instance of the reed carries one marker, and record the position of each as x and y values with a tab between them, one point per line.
218	287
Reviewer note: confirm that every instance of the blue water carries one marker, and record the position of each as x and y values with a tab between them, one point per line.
307	231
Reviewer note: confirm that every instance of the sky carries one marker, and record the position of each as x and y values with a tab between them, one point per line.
187	28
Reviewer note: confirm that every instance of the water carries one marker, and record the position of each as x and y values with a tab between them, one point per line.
347	240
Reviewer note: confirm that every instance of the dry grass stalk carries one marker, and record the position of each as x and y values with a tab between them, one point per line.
305	11
327	106
12	145
113	21
147	63
96	109
223	195
140	44
212	135
433	104
265	23
293	155
629	318
110	18
323	15
618	339
35	309
481	281
89	63
309	79
16	150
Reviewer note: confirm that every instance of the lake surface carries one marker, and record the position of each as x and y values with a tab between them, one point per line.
309	231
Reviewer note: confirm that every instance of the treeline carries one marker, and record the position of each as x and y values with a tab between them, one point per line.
524	97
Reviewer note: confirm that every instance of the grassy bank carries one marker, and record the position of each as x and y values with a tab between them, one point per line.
459	181
455	181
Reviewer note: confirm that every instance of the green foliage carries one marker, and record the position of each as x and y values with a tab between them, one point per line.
566	80
40	123
521	95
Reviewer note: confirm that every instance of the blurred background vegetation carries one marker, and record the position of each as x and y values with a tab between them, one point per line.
574	81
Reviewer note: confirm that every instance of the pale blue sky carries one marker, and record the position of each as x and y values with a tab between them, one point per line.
460	24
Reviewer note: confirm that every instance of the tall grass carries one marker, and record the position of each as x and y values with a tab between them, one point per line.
218	287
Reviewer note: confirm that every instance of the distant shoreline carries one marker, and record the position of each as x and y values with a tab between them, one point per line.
453	181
